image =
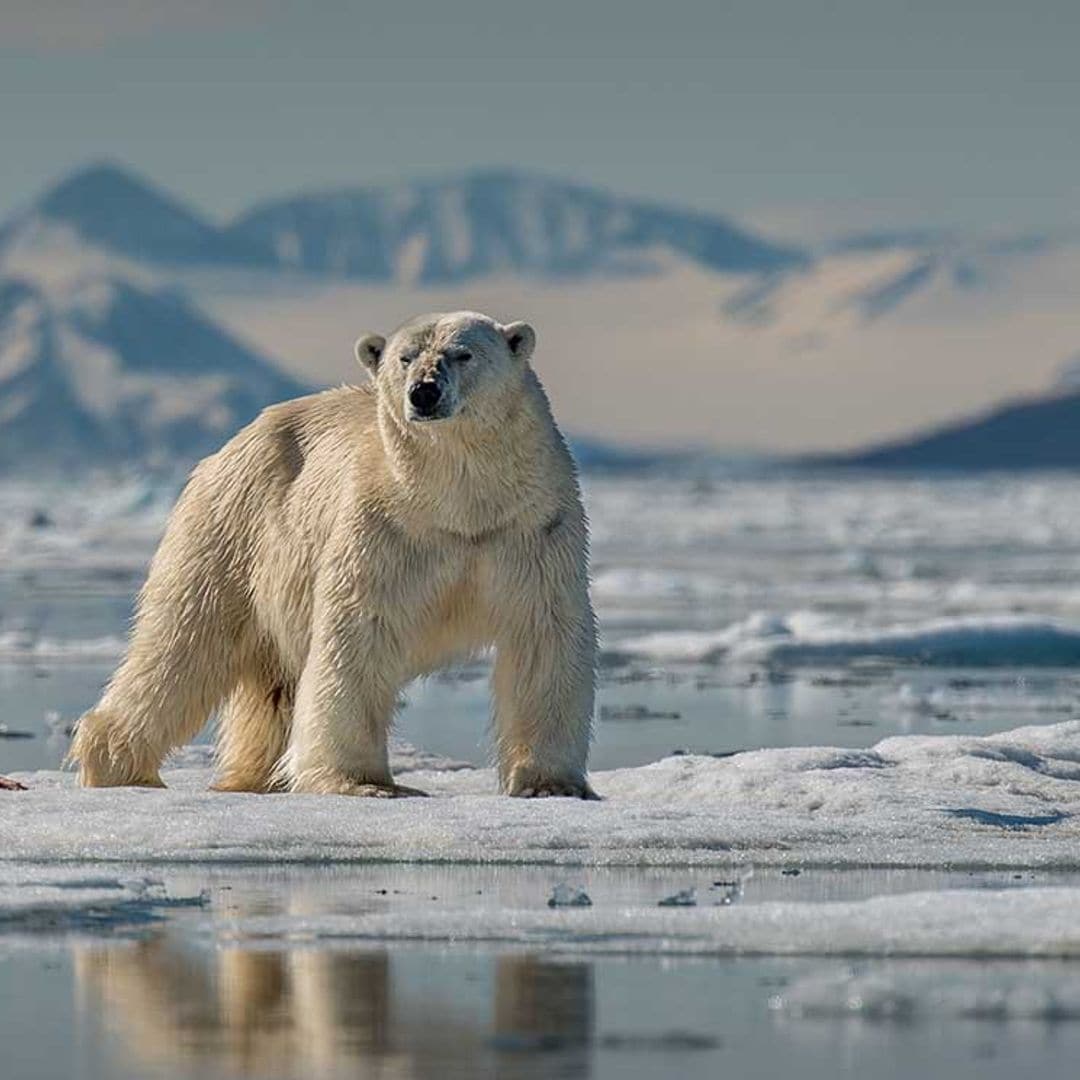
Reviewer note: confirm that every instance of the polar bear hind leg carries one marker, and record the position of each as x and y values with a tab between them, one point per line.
183	661
253	732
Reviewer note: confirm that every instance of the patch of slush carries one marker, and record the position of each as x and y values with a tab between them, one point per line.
320	908
1008	800
921	995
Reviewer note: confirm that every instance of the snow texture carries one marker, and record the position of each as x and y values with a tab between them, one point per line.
1008	800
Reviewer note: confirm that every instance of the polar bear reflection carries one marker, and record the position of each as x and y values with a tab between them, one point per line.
321	1013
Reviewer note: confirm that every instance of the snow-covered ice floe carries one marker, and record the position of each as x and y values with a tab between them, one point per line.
76	859
808	639
1007	800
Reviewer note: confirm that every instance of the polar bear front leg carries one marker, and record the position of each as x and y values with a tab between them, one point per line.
344	708
544	677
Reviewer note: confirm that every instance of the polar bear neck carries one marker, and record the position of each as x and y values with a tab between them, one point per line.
474	478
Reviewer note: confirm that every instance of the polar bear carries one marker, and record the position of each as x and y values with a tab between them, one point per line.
346	542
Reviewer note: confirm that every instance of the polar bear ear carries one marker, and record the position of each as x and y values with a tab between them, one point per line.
369	350
520	339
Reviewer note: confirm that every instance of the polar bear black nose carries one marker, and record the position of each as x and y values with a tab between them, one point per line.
424	396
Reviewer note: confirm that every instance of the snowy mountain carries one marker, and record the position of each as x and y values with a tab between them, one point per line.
106	373
903	267
108	207
438	231
494	222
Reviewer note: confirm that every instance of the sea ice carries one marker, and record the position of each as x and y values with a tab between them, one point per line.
1007	800
33	901
808	639
80	859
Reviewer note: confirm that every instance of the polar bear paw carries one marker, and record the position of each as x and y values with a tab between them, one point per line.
535	787
333	783
385	791
323	780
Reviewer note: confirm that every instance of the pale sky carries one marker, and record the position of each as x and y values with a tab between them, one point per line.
955	112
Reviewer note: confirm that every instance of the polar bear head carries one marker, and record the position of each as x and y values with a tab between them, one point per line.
441	366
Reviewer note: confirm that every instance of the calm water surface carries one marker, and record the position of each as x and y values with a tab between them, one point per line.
187	997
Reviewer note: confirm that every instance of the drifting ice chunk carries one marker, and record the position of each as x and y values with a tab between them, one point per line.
683	898
568	896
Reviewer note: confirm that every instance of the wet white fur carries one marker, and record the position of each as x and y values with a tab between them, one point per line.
335	549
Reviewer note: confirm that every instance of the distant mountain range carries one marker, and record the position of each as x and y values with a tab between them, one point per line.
136	331
113	209
104	373
435	231
103	369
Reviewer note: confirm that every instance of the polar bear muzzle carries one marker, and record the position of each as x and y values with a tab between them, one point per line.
424	400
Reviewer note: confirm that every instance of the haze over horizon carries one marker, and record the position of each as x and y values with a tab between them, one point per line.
806	114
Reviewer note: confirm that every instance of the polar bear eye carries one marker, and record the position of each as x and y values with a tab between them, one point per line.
462	357
406	360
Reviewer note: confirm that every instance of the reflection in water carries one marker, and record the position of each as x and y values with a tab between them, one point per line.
539	1004
319	1013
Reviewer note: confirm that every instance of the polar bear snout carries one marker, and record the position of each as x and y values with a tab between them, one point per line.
424	399
432	395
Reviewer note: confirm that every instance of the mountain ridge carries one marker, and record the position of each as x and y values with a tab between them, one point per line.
101	374
468	224
113	207
883	331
